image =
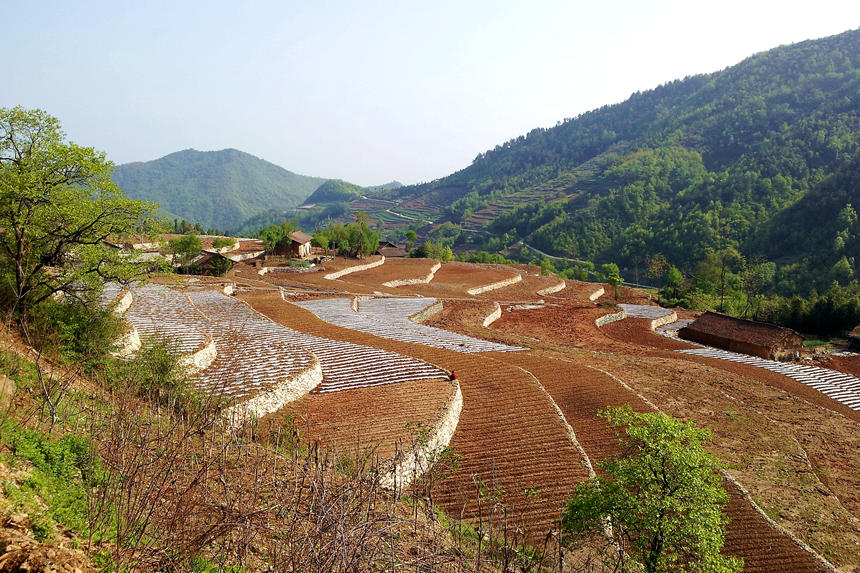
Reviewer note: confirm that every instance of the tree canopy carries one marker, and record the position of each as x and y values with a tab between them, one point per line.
58	207
660	504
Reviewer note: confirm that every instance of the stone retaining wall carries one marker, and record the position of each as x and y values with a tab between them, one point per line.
417	461
286	391
123	303
128	343
420	317
552	289
200	360
418	281
607	318
494	286
493	316
355	269
664	320
597	294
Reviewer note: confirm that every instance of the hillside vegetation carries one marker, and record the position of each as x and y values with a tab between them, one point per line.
761	157
216	188
335	190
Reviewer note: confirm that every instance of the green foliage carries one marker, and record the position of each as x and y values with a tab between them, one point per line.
58	206
740	158
485	257
663	499
221	242
351	240
276	235
432	250
212	187
157	373
184	249
53	492
335	191
81	333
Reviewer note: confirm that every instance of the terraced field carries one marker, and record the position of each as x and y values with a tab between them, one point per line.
161	312
389	318
842	387
513	432
380	418
533	466
344	365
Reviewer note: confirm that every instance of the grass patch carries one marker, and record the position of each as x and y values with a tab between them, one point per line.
52	492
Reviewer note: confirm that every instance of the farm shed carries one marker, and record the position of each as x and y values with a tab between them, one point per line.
390	250
298	247
745	336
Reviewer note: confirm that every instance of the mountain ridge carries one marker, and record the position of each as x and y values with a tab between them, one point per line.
218	188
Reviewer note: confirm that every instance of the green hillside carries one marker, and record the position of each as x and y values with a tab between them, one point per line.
333	191
219	189
748	158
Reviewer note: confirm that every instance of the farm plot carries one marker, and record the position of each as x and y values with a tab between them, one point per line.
842	387
161	312
581	391
524	290
380	418
393	270
580	291
509	435
389	318
455	279
316	280
344	365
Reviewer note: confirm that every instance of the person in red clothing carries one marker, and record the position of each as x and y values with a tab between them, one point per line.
452	376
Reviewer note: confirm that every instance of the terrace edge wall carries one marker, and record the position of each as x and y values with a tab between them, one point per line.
418	281
271	401
421	459
552	289
607	318
420	317
494	286
355	269
493	316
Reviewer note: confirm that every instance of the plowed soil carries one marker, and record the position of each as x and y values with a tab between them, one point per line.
392	270
525	290
454	279
377	418
497	437
787	443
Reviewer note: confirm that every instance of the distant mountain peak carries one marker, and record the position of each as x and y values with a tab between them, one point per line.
219	189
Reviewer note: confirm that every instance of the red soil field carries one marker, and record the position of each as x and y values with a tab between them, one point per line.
454	279
365	418
393	269
496	436
762	421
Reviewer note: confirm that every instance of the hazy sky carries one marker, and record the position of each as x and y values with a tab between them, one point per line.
366	91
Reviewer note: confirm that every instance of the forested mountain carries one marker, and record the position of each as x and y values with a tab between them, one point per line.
761	157
219	189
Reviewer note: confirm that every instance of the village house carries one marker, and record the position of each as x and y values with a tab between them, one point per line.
298	247
744	336
390	250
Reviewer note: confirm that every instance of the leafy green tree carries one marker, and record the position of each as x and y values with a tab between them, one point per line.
58	207
660	503
184	249
612	274
674	280
411	237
